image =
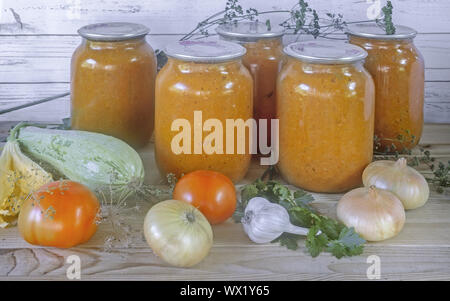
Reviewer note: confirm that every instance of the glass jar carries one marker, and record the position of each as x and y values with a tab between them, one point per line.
113	82
326	114
206	79
263	58
397	68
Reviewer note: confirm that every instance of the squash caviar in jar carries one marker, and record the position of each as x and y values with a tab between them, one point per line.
325	106
203	86
113	82
397	68
263	58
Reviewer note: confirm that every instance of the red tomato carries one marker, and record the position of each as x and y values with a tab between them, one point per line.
60	214
209	191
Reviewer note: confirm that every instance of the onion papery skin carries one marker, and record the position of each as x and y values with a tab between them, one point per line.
404	181
375	214
178	233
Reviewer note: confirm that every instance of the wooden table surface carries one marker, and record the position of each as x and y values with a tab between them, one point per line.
420	252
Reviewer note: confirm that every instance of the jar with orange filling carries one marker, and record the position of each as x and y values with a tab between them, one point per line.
326	114
263	58
397	68
207	78
113	82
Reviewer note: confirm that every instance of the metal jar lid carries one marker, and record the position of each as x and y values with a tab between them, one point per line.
114	31
205	51
249	31
374	31
325	52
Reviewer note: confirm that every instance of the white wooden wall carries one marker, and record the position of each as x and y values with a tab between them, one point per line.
37	38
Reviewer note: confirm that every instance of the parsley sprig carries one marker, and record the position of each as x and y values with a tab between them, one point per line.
334	236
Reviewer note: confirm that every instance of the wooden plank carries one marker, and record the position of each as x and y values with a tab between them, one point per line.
431	218
43	69
436	134
437	74
19	93
437	112
63	46
56	110
420	252
264	262
174	16
414	244
50	112
49	56
434	47
437	101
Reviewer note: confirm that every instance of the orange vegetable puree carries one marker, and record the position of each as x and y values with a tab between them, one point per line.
113	89
326	115
219	90
262	60
398	71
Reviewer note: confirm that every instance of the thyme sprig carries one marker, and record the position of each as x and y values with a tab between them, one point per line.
303	19
440	171
232	13
438	175
386	21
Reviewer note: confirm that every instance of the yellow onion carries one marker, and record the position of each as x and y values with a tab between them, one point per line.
178	233
404	181
376	214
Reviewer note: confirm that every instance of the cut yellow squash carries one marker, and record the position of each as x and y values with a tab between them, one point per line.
19	177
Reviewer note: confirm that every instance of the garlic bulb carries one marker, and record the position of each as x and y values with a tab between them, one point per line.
405	182
265	221
376	214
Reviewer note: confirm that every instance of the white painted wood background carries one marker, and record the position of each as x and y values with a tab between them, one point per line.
37	38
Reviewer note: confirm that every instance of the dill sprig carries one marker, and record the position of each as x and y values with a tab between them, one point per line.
118	210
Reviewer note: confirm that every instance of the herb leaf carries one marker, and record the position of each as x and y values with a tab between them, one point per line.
288	240
349	243
315	243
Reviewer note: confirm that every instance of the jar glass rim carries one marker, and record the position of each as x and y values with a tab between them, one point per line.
375	31
325	52
205	51
113	31
249	31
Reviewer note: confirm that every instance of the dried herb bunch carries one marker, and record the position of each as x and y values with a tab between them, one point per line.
302	19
